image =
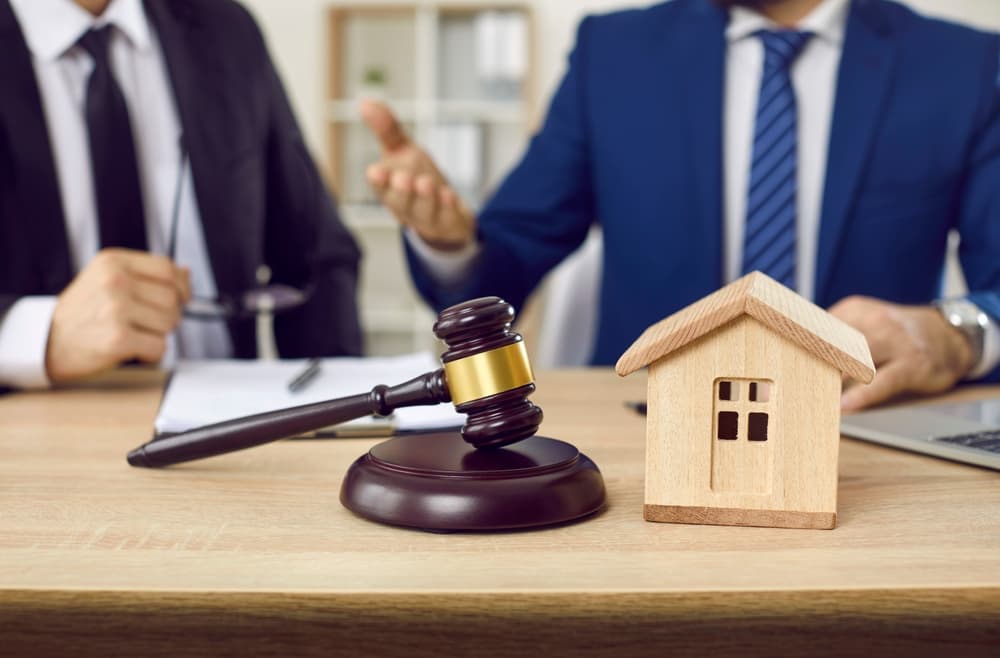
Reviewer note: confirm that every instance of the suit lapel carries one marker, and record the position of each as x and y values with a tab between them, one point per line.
197	86
702	62
863	83
39	205
206	113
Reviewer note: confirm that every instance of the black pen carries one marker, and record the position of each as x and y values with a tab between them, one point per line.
301	380
638	407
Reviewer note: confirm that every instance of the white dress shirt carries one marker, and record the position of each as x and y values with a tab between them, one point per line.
814	77
51	29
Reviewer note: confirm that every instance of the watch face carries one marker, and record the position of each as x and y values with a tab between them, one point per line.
967	313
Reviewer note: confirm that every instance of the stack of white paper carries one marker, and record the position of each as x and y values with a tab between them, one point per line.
205	392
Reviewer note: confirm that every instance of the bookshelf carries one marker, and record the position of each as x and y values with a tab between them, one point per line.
459	77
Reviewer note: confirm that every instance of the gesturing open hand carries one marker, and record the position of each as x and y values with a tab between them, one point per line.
409	183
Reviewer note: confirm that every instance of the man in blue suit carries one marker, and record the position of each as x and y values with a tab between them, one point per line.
830	143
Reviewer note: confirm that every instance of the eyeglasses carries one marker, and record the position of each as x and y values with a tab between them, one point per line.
266	297
270	298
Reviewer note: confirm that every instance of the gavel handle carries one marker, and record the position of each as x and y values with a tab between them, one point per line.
240	433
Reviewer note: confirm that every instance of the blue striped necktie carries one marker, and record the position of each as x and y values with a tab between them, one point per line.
769	237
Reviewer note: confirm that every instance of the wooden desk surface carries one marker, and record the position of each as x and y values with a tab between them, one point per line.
253	550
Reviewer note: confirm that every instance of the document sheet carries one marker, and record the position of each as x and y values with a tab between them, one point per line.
204	392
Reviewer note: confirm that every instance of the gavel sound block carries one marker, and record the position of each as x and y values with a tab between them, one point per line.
495	474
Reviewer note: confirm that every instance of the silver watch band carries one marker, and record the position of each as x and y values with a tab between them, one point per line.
968	319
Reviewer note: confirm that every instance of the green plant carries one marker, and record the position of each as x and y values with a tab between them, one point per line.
375	76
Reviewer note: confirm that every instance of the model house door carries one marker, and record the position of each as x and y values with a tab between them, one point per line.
742	435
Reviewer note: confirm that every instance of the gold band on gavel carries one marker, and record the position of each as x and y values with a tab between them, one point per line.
481	375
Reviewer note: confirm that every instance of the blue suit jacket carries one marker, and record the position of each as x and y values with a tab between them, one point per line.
633	139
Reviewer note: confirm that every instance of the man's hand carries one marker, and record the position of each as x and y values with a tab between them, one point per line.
121	306
412	187
915	350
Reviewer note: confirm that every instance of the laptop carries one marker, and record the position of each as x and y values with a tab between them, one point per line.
966	432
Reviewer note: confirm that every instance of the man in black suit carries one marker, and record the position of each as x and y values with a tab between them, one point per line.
124	123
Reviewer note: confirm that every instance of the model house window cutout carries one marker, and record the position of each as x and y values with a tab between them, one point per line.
729	425
758	426
747	419
760	391
729	390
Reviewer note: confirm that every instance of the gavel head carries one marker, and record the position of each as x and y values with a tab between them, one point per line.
488	373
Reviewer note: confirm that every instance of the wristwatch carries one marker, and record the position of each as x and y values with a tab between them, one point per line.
970	320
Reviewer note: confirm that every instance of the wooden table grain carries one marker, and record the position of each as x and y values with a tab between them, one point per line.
252	553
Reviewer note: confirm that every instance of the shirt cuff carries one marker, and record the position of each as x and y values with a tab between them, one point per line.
24	336
446	268
991	351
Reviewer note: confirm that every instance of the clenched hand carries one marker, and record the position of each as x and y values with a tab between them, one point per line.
122	306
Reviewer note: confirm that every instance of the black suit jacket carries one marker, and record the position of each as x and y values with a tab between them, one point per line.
260	197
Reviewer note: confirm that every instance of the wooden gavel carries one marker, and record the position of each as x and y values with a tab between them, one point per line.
486	375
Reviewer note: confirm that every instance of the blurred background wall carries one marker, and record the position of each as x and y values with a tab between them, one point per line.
428	58
296	31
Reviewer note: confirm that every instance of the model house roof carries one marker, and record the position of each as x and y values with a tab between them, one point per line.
771	304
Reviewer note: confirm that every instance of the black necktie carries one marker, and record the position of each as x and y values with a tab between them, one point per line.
112	152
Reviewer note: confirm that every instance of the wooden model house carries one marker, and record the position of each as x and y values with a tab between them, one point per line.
744	407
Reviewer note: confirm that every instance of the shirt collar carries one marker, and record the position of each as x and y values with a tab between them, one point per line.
827	21
51	27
